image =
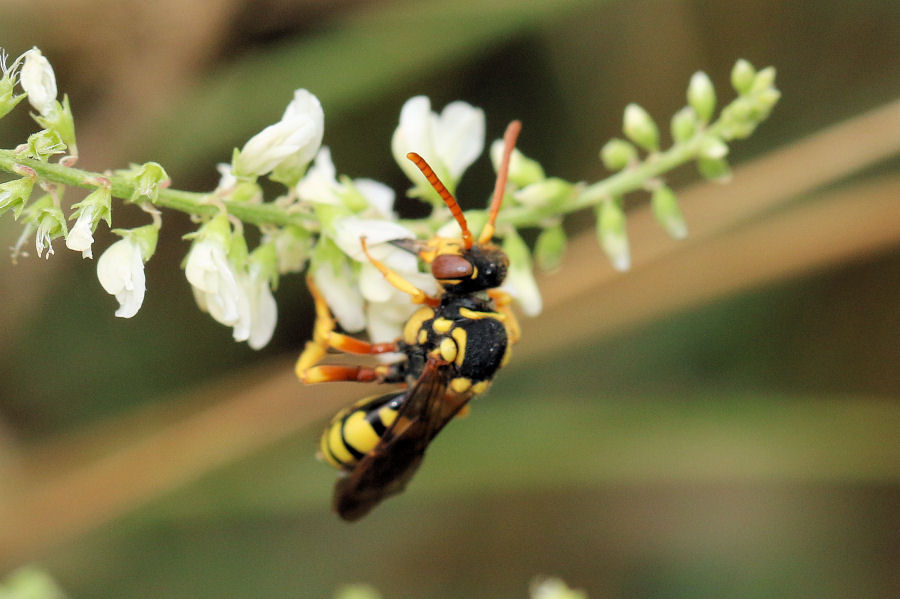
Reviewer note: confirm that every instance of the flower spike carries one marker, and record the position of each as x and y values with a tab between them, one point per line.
509	142
445	195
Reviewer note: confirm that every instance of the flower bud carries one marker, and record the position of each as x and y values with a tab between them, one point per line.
742	75
616	154
640	128
550	247
684	124
42	145
544	193
148	178
38	81
291	142
88	213
763	80
667	212
8	101
50	223
714	169
14	194
701	96
554	588
713	147
523	171
612	234
766	100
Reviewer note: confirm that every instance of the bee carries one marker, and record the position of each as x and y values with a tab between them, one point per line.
452	347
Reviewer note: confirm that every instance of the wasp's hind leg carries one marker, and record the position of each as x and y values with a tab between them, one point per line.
325	337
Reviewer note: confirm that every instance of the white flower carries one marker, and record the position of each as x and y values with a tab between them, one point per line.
294	139
80	238
263	311
342	295
121	273
320	186
214	281
38	81
449	142
520	284
227	180
379	196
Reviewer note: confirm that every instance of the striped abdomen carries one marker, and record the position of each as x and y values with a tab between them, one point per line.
355	431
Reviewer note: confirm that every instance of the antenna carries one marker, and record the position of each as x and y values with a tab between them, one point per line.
445	195
509	142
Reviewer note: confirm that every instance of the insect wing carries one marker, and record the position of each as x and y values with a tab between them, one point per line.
387	469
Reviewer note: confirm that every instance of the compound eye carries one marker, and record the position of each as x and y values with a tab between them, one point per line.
451	266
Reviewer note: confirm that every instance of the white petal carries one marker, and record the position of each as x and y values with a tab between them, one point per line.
459	138
208	270
80	238
350	230
379	196
265	315
38	81
120	271
520	284
306	107
132	297
415	133
319	184
342	296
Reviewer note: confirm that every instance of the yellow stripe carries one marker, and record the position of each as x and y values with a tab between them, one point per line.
480	387
473	315
448	349
358	433
460	384
387	416
411	329
460	336
441	325
336	444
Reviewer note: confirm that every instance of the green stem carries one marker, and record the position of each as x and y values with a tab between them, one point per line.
184	201
621	183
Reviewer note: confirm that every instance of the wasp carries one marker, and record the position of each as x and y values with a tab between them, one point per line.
451	348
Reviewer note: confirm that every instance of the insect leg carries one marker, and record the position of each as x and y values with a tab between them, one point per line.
325	337
418	296
503	301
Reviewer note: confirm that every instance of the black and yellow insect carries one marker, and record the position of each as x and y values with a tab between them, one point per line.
452	347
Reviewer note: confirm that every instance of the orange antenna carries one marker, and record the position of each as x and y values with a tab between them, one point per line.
509	142
445	195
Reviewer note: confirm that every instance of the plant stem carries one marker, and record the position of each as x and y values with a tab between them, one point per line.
625	181
184	201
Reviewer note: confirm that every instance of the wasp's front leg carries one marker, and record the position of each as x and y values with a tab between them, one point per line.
325	337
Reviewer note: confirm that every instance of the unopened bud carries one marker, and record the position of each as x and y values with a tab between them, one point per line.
742	75
701	96
550	247
667	212
684	124
640	128
617	154
612	234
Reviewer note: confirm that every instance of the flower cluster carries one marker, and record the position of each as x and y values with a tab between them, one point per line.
318	222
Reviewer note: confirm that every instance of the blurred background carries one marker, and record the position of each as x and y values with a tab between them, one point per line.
722	421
